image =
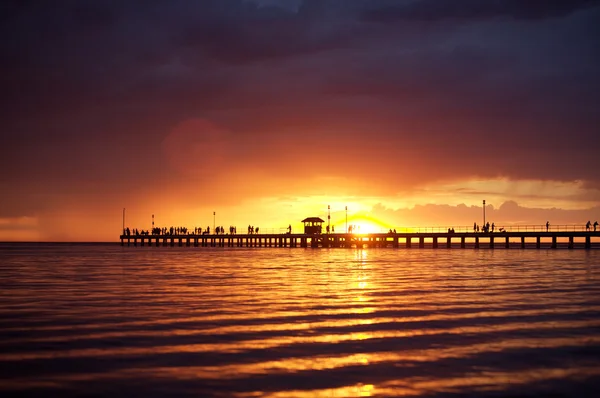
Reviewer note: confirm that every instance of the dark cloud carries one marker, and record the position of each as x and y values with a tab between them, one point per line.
93	90
435	10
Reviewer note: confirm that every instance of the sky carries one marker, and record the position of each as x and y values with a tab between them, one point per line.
407	112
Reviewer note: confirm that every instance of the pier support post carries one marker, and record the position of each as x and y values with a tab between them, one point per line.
477	242
507	243
588	242
553	242
408	242
421	242
571	245
522	242
491	242
448	242
538	242
435	243
462	242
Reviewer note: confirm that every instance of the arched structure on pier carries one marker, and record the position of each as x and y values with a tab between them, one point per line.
313	225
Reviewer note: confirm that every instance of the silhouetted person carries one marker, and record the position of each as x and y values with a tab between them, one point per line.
256	229
547	225
289	229
332	229
327	229
595	225
478	228
587	226
493	226
474	227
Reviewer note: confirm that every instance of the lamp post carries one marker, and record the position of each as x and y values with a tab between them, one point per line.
214	218
152	224
123	220
328	218
484	212
346	219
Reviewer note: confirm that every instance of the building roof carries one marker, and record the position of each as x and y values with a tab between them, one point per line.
313	219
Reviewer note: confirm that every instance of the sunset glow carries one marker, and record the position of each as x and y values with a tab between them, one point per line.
294	107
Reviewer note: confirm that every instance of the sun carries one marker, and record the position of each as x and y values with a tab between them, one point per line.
363	224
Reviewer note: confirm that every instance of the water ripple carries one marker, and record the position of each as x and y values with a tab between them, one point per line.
105	320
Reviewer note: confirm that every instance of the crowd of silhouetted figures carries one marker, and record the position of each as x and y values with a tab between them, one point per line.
485	228
173	231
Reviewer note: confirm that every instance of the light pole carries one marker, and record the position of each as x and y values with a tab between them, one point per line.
123	220
484	212
346	219
153	223
214	218
328	218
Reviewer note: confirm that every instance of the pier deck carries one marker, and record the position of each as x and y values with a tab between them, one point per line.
554	239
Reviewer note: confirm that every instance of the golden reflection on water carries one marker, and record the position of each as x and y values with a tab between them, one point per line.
352	319
358	390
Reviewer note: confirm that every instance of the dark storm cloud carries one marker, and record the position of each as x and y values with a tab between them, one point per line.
433	10
90	88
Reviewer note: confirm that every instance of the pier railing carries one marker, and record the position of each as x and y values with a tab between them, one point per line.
429	229
497	228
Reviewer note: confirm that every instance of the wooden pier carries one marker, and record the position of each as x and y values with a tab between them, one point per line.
539	240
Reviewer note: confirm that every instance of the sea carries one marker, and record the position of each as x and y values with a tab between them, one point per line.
101	320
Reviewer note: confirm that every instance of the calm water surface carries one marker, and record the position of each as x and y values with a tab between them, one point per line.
104	320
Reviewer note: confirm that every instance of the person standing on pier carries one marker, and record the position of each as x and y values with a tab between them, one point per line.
587	225
595	225
547	225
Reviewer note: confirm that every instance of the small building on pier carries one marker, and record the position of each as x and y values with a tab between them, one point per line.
313	225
